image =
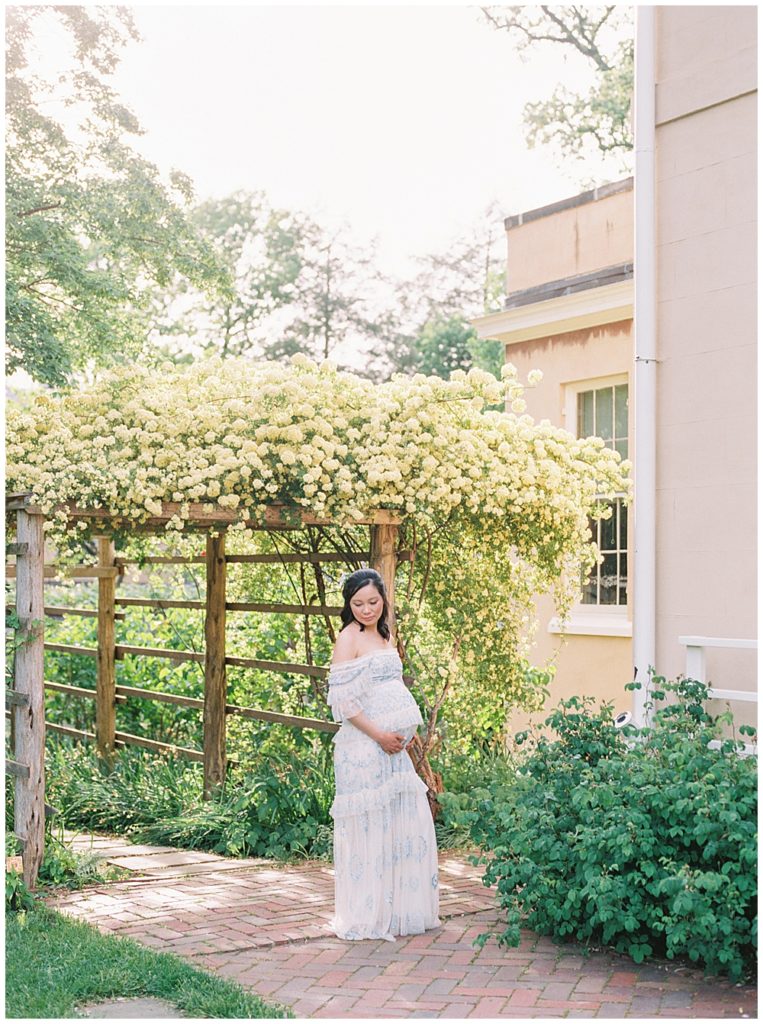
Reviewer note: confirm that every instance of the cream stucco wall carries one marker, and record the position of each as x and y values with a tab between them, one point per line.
571	241
578	235
706	374
598	666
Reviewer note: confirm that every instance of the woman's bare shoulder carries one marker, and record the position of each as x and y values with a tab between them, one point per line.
345	648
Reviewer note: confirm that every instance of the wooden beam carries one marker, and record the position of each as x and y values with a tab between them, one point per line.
106	677
286	609
90	652
148	602
29	747
55	611
214	667
302	556
49	572
21	771
158	652
68	730
97	572
77	691
278	515
167	698
76	572
16	700
127	739
230	709
278	666
21	500
384	560
161	560
275	716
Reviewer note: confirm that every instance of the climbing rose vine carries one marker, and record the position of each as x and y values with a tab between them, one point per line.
498	503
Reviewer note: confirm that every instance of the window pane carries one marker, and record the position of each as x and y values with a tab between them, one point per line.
623	526
589	588
621	410
609	580
609	532
623	595
621	446
585	414
604	413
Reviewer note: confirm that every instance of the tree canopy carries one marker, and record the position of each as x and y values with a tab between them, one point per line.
578	124
90	224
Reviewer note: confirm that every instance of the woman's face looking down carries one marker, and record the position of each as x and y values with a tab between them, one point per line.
367	604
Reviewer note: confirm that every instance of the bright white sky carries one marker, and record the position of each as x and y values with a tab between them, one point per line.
402	121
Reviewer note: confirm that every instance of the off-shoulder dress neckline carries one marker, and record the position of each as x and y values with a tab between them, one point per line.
371	654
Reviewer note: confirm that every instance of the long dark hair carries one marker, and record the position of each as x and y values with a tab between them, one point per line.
353	583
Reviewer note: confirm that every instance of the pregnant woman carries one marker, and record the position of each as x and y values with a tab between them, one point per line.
385	851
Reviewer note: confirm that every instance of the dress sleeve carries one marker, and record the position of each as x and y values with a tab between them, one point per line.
348	687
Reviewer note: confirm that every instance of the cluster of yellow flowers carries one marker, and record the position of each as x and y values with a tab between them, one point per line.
240	435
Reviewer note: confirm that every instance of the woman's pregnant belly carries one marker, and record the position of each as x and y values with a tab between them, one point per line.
393	708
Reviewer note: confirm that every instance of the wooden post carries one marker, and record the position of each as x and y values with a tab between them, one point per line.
106	680
384	560
29	750
214	667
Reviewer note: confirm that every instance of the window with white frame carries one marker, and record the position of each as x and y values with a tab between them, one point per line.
601	410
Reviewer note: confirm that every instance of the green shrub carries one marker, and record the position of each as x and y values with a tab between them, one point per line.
64	866
641	839
279	808
18	898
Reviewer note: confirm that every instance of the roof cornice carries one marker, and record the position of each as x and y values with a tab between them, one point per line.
574	311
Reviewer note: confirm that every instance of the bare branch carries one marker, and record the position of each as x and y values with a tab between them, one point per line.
39	209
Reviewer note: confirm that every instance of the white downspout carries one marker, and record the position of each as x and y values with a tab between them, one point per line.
645	366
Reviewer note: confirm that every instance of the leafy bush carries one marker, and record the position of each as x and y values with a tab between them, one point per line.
643	839
18	898
64	866
278	809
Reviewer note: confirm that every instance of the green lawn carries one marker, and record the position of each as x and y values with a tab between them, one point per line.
54	963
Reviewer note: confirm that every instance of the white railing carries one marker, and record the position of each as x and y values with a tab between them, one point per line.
696	668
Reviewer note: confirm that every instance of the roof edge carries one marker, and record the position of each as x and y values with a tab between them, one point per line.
569	285
592	195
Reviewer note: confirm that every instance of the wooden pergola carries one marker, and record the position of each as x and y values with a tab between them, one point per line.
25	702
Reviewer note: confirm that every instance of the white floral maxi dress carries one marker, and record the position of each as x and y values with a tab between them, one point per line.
385	851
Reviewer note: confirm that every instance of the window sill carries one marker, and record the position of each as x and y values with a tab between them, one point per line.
593	625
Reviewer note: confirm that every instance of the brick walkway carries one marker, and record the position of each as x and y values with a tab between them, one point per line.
267	928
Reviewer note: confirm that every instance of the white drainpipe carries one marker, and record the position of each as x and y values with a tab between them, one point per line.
645	369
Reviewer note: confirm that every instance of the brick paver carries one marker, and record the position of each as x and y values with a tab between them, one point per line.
267	928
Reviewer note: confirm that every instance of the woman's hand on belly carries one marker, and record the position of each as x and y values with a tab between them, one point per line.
390	742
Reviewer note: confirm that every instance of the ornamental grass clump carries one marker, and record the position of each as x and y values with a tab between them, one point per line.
644	840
